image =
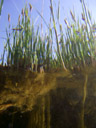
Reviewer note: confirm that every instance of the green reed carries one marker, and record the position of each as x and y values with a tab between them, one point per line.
1	4
27	48
78	47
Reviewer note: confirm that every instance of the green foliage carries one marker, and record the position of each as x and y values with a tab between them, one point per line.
1	4
27	48
74	47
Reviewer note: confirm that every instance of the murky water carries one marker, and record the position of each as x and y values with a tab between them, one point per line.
60	107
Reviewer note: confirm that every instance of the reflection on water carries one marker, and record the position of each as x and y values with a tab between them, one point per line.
61	108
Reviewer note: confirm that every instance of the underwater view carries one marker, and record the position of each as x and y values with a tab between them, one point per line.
47	101
47	77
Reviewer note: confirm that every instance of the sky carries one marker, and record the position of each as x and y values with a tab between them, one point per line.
14	7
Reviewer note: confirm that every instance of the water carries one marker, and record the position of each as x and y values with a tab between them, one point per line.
60	107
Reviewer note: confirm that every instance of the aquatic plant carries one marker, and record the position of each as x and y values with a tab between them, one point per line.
79	45
74	48
27	48
57	42
1	4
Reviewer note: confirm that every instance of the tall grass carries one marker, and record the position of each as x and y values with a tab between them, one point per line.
28	49
1	4
78	47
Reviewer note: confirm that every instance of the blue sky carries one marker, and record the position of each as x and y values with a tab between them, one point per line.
14	7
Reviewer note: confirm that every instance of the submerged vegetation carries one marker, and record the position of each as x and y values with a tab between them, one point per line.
27	48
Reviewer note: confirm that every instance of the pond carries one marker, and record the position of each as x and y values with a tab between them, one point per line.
58	106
